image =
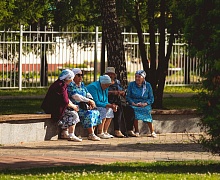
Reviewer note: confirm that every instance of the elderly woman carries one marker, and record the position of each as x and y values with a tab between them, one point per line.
140	97
90	117
62	110
125	112
99	91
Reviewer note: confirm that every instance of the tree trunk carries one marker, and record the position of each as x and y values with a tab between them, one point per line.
161	70
151	21
114	40
142	47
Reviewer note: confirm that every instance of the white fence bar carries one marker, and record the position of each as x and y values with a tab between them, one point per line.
20	59
21	54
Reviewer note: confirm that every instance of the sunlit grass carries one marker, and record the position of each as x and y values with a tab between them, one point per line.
139	170
23	92
42	91
182	89
29	106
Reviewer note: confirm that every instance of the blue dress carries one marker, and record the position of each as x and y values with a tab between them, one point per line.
143	94
89	118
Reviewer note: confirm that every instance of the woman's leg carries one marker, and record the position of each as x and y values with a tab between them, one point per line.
136	125
71	130
107	124
150	125
90	130
117	119
100	126
129	117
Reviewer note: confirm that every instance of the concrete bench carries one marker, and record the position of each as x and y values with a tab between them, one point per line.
19	128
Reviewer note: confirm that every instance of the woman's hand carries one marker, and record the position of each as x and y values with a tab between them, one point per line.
114	107
139	104
71	105
75	107
91	104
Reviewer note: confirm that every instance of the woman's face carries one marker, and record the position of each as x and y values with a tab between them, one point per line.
105	86
111	75
68	81
139	79
78	78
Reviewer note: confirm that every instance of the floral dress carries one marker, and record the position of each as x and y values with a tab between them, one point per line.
143	94
88	118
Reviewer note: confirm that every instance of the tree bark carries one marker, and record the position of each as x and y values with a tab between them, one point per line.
114	40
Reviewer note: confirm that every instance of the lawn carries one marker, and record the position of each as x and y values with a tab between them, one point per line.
29	106
202	170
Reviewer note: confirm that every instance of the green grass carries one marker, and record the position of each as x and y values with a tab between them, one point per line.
181	89
29	106
201	170
32	106
20	106
179	103
23	92
42	91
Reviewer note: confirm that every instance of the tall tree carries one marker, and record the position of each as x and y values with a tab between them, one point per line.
114	40
202	31
160	16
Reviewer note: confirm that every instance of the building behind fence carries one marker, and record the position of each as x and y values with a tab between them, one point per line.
35	58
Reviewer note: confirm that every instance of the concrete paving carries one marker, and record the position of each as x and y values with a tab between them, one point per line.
166	147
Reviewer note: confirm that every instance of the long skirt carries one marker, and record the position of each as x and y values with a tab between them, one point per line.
143	113
89	118
105	112
69	118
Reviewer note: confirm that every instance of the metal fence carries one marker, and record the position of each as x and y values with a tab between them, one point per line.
35	58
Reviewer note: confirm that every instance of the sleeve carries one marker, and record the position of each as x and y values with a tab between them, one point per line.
80	98
128	95
88	95
94	92
119	85
70	90
150	99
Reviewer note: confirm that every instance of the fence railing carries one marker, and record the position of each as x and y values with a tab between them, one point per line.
35	58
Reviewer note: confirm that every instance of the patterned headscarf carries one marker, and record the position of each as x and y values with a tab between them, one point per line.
141	73
66	74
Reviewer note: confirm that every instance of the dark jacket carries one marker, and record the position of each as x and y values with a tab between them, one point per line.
56	100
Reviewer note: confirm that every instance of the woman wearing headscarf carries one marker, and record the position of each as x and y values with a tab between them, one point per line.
116	94
78	93
62	110
99	92
140	97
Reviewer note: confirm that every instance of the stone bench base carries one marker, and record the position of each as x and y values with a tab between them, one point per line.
40	127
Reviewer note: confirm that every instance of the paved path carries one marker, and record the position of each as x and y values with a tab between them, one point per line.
166	147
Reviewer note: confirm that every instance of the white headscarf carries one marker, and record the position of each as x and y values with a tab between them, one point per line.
76	71
66	74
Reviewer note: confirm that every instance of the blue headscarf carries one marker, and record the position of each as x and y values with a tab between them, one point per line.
105	79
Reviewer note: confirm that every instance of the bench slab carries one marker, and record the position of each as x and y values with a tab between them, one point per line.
19	128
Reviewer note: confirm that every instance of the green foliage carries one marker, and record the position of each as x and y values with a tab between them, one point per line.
134	170
202	32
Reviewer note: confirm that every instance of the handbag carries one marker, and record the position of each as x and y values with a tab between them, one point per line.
84	106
